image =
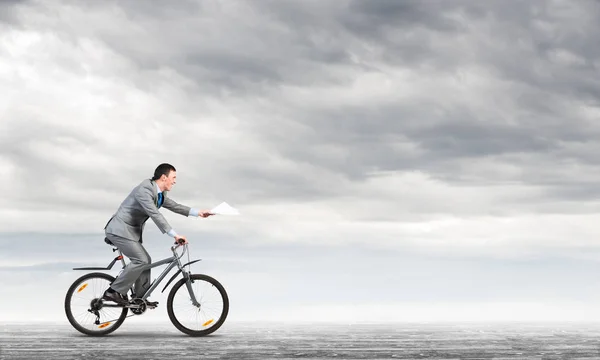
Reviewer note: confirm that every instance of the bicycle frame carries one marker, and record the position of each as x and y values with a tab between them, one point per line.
173	261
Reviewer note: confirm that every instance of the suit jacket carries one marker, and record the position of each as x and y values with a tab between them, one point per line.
142	203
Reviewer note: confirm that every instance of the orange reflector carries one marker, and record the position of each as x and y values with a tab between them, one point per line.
104	325
82	287
208	322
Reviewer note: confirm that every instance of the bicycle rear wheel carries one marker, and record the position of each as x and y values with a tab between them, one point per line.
212	309
83	306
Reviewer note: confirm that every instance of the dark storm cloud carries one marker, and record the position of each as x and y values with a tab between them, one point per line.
312	44
238	46
8	9
503	38
539	58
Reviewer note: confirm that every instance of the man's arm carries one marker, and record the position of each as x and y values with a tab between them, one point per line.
183	209
179	208
144	197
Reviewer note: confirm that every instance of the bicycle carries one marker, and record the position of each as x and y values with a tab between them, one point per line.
87	285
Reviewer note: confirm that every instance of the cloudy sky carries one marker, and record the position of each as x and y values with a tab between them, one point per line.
392	160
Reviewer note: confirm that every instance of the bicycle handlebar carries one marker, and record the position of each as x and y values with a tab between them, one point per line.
177	245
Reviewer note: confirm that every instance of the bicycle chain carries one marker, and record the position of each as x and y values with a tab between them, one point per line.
108	321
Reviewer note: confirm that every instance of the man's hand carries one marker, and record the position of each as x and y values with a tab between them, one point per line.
204	213
180	239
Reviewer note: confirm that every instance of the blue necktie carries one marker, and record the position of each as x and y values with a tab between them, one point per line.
160	199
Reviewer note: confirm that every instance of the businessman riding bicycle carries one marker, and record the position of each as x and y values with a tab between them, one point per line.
125	227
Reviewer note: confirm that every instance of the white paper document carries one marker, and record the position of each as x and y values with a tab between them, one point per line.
224	209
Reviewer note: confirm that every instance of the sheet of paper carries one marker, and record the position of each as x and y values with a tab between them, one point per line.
224	209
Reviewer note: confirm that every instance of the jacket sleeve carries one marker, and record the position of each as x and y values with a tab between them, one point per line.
144	197
176	207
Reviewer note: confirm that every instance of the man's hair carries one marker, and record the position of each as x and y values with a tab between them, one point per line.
163	169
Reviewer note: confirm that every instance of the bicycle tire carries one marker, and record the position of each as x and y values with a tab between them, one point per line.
69	313
222	317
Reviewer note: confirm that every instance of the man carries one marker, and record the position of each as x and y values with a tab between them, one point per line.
125	229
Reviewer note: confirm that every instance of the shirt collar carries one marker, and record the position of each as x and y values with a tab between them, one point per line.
158	191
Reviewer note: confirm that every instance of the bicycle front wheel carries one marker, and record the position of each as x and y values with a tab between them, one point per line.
85	309
207	315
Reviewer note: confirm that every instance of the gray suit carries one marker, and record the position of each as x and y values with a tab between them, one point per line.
125	227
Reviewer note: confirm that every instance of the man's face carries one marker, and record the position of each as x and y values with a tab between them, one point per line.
170	180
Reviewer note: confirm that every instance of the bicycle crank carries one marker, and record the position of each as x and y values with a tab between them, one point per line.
138	306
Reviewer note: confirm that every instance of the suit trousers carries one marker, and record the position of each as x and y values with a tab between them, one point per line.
137	271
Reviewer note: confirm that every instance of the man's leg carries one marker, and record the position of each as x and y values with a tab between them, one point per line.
143	282
136	270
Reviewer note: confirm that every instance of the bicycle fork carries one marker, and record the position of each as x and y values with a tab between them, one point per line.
188	285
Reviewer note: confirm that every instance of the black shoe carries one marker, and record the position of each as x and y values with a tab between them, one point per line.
114	297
